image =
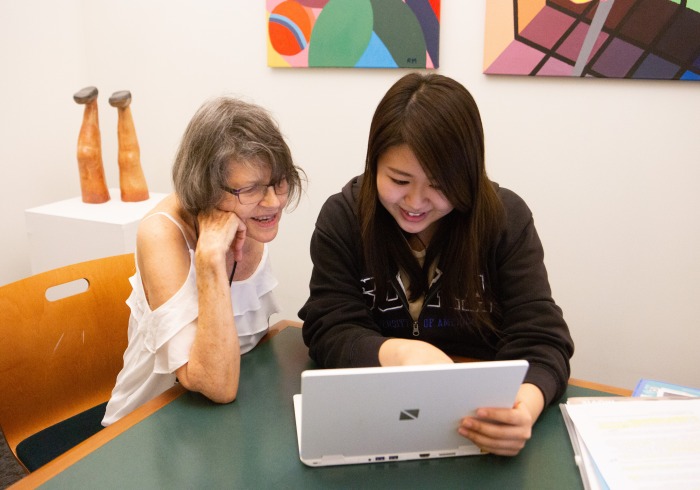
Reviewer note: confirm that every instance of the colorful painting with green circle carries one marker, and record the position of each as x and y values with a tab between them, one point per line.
353	33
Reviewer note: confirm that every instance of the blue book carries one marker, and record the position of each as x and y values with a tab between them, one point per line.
658	389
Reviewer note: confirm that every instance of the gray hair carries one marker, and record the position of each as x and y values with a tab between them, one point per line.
222	130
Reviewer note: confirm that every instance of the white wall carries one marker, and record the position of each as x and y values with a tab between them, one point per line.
609	167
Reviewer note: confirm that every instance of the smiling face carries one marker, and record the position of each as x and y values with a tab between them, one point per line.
408	194
261	218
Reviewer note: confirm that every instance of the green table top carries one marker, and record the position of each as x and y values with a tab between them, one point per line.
252	443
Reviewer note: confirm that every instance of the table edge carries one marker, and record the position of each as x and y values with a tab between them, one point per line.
600	387
72	456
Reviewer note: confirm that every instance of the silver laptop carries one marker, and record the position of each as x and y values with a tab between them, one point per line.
386	414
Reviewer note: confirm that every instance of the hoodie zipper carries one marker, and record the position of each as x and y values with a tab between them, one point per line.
416	326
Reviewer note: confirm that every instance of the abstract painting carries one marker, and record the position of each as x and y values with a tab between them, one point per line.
353	33
637	39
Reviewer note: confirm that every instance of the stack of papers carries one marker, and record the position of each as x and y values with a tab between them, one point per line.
639	443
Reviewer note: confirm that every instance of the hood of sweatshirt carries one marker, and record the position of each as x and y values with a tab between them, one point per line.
351	192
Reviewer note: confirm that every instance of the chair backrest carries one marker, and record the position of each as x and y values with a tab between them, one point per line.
59	357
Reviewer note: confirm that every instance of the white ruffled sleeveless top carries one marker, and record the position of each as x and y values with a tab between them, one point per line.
160	340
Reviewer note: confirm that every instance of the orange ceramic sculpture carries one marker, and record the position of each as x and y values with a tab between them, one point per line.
93	185
131	179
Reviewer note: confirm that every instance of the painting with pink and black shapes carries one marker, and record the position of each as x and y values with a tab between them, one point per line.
634	39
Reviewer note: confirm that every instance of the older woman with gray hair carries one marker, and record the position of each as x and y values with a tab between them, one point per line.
202	292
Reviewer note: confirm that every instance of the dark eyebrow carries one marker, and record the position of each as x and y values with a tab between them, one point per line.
400	172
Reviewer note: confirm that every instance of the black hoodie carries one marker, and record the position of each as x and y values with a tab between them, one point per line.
345	325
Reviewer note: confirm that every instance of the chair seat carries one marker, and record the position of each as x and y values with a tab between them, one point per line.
47	444
62	348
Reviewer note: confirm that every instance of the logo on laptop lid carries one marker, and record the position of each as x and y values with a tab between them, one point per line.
409	414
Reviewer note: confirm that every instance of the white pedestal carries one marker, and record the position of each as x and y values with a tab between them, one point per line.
71	231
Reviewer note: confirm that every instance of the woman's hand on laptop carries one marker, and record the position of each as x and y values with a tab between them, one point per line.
408	352
504	431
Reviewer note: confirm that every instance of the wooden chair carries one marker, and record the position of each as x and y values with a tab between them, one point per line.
60	356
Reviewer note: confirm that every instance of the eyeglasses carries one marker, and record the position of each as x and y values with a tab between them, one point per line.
255	193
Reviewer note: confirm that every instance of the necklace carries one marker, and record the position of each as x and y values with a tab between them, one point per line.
233	271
